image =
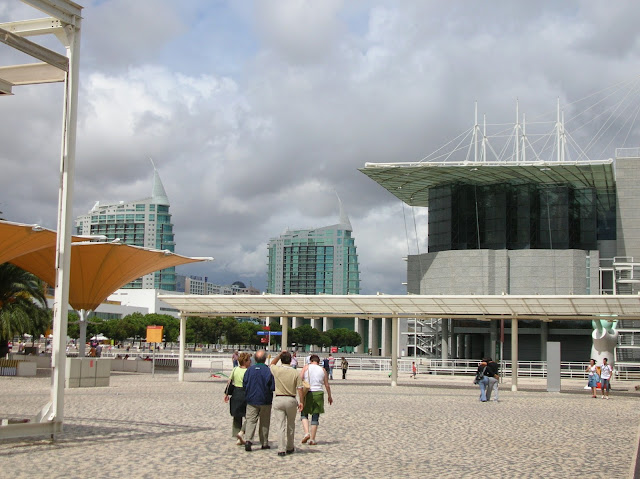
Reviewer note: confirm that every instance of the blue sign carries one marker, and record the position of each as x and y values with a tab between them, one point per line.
273	333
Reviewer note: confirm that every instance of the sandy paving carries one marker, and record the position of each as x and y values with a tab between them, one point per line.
144	427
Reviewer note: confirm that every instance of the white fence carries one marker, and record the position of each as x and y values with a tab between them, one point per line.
451	367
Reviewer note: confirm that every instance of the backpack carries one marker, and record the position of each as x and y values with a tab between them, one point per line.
325	363
479	375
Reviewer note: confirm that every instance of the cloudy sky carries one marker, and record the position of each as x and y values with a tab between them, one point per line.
257	113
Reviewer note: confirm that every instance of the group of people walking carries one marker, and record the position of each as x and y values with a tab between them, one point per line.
599	374
252	396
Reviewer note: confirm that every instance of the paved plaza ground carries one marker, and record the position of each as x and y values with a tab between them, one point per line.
149	427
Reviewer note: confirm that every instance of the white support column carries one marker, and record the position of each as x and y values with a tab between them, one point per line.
445	339
267	322
386	337
327	324
373	337
358	327
82	339
183	340
514	354
394	351
65	212
316	323
284	320
295	322
544	337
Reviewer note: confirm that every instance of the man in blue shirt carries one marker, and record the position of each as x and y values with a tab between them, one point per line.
258	386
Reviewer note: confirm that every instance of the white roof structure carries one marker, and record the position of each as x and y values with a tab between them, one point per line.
544	308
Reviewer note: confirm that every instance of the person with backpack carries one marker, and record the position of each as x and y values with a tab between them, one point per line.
482	380
492	375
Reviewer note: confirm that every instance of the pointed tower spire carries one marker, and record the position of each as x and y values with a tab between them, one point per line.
158	193
344	219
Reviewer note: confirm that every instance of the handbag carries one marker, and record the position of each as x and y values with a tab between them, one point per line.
228	391
306	386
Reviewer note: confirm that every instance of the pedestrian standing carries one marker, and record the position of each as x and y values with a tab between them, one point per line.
288	385
314	400
235	359
606	371
592	371
294	361
414	369
344	365
332	363
258	386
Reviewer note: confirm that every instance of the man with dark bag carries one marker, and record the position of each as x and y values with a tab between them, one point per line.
285	406
258	386
493	379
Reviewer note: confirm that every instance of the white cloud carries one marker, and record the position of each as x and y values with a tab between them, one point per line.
256	114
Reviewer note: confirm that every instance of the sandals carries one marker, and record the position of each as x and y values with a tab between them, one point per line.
312	442
306	438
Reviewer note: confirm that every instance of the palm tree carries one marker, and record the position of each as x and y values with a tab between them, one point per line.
23	306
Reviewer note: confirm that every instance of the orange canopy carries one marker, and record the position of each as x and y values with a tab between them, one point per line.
98	269
17	239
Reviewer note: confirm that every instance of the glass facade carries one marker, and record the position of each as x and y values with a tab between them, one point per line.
523	216
313	262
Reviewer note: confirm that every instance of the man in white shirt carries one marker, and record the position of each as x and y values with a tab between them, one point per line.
606	371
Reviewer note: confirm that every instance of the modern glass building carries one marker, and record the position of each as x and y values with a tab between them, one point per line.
145	222
314	261
522	227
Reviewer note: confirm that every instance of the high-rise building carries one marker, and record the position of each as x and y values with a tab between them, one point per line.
145	222
314	261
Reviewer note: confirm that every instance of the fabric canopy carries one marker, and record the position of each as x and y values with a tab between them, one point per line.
98	269
17	239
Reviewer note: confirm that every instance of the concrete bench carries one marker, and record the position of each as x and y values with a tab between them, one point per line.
171	364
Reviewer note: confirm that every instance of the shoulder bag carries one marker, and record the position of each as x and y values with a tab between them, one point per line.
228	391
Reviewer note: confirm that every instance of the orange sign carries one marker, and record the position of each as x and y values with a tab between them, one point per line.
154	334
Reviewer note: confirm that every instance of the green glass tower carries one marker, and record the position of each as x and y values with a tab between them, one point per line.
145	222
314	261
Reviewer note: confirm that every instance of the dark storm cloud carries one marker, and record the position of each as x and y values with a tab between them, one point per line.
257	118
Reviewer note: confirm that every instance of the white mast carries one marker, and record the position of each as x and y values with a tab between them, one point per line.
475	135
564	138
517	130
524	137
558	134
484	138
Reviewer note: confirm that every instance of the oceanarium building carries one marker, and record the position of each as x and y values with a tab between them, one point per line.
521	227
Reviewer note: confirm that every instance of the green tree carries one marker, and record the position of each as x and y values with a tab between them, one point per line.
23	306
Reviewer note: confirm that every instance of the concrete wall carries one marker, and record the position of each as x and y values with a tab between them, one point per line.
503	271
627	210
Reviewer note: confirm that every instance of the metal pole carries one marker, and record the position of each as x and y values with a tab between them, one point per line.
63	241
82	339
285	333
415	339
183	338
153	360
514	354
394	351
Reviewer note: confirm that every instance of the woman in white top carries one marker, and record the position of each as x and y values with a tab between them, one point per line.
592	370
314	400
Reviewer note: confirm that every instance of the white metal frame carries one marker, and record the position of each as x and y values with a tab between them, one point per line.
64	22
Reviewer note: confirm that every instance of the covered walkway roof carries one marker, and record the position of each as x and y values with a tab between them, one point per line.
545	308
